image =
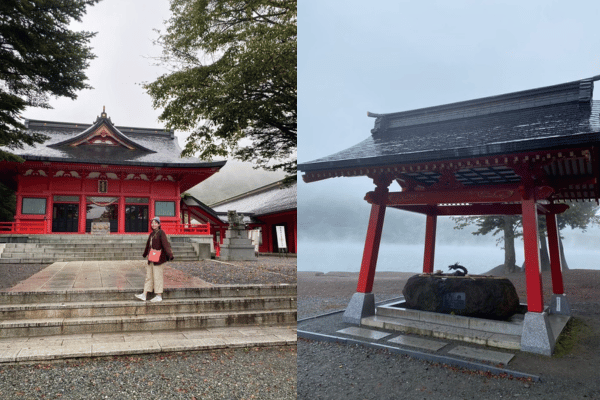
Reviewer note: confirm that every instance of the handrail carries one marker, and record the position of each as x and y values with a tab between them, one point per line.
24	227
39	227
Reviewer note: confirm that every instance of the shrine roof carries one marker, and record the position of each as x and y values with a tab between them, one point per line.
190	200
104	143
558	116
269	199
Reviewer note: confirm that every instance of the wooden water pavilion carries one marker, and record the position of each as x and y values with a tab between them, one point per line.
523	153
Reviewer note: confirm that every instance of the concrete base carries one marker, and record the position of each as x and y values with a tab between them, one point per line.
361	305
537	336
237	247
202	247
560	305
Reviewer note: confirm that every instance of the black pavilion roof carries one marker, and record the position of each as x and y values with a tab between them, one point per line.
556	116
140	146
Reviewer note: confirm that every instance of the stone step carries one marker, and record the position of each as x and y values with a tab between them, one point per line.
79	244
439	330
48	348
88	246
71	326
49	260
514	326
76	245
136	307
90	295
42	252
107	344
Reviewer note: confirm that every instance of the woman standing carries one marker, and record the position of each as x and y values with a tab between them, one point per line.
154	270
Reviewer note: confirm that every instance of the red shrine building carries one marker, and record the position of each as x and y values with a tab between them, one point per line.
522	153
267	210
86	173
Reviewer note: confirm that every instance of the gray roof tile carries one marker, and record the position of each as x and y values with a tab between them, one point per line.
508	123
268	199
155	147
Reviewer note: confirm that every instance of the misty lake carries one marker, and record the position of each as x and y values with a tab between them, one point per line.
347	256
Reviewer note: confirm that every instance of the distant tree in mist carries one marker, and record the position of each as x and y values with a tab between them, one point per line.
580	215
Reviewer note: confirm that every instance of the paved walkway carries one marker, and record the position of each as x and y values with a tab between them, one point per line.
110	344
119	275
81	275
330	328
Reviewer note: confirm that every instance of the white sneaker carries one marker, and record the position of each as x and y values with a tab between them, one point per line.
142	296
156	299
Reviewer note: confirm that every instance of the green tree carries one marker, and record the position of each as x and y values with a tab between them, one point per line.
580	215
233	85
39	57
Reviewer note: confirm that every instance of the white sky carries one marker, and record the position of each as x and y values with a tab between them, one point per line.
387	56
124	50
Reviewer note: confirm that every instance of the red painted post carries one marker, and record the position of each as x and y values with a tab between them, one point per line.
554	249
48	216
82	213
121	214
535	296
430	231
371	251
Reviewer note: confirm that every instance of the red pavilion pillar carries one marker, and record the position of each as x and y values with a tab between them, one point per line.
535	300
362	303
536	336
559	303
372	242
554	249
430	231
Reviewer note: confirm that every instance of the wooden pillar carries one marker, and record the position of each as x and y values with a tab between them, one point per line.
82	213
151	209
554	249
48	216
430	231
19	207
535	296
121	208
371	251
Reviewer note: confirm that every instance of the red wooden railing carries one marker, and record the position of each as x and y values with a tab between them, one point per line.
38	227
26	227
176	228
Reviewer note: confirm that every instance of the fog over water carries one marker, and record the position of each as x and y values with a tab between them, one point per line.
333	220
478	259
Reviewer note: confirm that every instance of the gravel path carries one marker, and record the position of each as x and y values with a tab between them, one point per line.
256	373
11	274
264	270
334	371
253	373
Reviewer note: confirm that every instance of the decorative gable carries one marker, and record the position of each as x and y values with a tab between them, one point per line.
103	134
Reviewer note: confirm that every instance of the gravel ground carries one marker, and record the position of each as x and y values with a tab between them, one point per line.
11	274
253	373
264	270
335	371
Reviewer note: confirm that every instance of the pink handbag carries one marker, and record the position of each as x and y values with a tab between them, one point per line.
154	255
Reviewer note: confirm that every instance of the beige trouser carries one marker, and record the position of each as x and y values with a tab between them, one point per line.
154	278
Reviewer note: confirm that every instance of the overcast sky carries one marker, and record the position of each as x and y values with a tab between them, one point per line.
124	50
389	56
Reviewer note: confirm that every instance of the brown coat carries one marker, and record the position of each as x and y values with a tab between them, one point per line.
159	242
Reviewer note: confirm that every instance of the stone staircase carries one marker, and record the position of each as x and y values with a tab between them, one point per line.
45	249
76	312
